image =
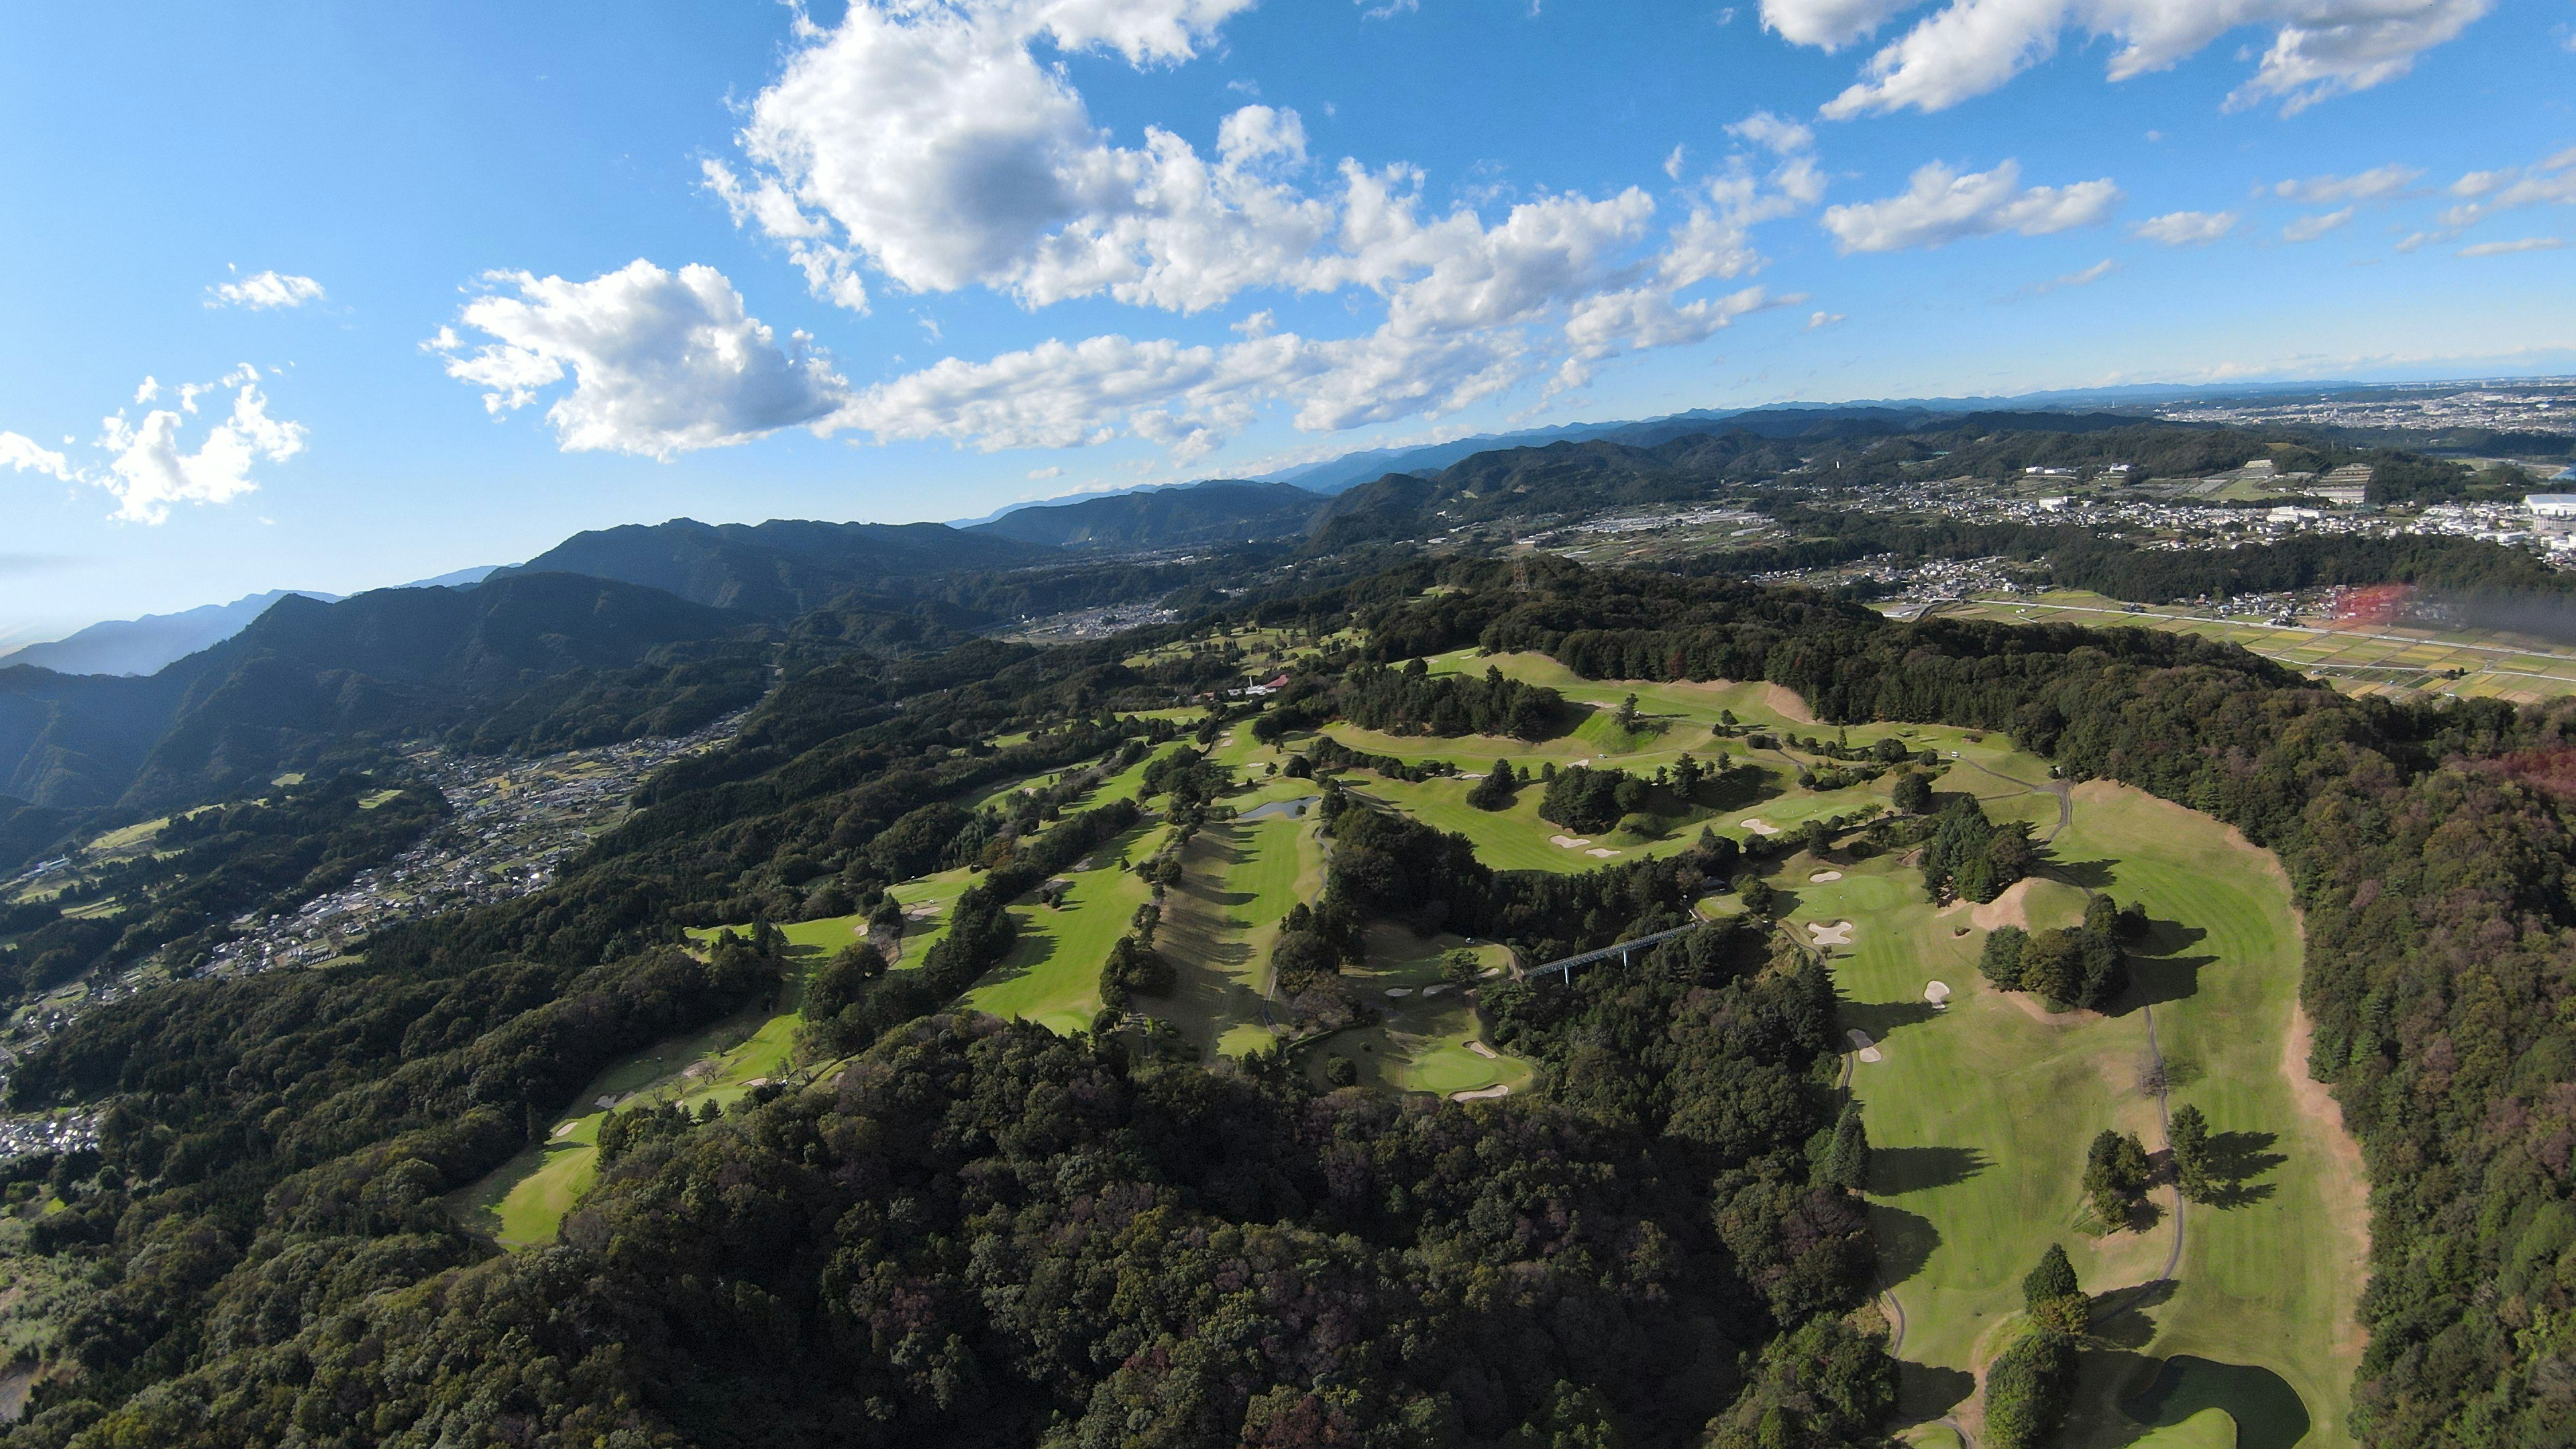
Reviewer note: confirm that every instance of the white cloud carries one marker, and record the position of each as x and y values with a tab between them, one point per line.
148	465
1940	206
2083	278
930	143
1969	47
21	454
2187	228
1823	319
2379	183
262	290
151	470
2550	181
1039	475
661	362
2309	228
2508	248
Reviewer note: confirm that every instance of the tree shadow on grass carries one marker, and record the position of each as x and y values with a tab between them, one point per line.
2154	980
1894	1170
1905	1241
1739	789
2091	875
2234	1159
2125	1316
1879	1018
1926	1391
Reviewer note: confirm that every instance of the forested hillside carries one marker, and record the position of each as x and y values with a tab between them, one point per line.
979	1233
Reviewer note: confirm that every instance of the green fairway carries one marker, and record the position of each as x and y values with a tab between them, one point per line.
1421	1042
523	1202
1052	975
1238	879
1978	1115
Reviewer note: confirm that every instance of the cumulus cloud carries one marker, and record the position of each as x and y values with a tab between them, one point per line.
1941	205
2508	248
21	454
152	469
2309	228
1818	320
147	463
2188	228
661	362
933	145
2379	183
1966	48
262	290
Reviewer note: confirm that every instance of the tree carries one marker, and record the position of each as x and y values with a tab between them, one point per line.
2189	1134
1494	792
2052	1295
2102	915
842	980
1913	793
1847	1157
2116	1172
2001	962
1460	967
1760	899
1686	776
1627	716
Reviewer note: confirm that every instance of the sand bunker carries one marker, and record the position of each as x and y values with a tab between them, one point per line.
1837	934
1938	993
1479	1048
1822	876
1604	854
563	1127
923	912
1868	1049
1567	841
1435	990
1491	971
1399	991
1482	1094
1760	826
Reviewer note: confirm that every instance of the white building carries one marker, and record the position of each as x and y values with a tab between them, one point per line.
2550	505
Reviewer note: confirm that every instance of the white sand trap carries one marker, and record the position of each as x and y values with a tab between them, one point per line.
1760	826
1837	934
1485	1094
1435	990
1868	1048
1567	842
1399	991
923	912
1822	876
1477	776
1870	1054
1490	972
1479	1048
563	1127
1584	761
1604	854
1937	993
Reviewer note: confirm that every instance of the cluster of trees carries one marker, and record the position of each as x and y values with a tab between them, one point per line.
1970	857
1414	701
2028	1384
2079	966
1134	967
2117	1174
1331	754
1582	798
1495	791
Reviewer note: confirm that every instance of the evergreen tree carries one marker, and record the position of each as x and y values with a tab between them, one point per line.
1847	1158
2189	1134
2001	961
1913	793
1494	792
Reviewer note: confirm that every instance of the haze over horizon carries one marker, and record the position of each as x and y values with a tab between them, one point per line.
450	288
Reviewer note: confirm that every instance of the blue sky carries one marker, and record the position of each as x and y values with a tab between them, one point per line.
417	288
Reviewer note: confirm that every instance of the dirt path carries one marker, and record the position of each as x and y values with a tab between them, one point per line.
2346	1187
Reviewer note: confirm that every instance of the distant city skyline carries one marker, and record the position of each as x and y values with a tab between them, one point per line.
335	296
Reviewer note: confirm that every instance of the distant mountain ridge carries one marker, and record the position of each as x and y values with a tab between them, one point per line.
1176	516
147	644
382	666
777	569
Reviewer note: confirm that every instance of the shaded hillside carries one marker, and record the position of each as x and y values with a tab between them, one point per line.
564	659
1216	512
776	569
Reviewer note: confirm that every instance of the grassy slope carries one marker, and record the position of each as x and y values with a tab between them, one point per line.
1973	1184
1238	879
1052	975
1420	1043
